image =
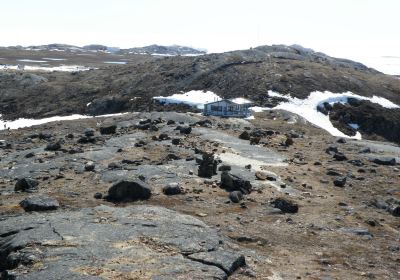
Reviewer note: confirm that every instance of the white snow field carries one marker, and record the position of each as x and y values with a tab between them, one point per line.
19	123
62	68
195	98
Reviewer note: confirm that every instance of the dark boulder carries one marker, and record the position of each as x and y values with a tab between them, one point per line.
236	196
163	136
224	168
39	203
53	146
172	189
176	141
125	191
285	205
89	132
26	185
289	141
110	129
332	150
204	123
384	161
232	182
245	135
340	181
339	156
185	130
86	140
207	166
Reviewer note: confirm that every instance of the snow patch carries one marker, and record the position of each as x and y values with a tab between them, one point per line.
241	100
31	60
195	98
54	59
115	62
62	68
19	123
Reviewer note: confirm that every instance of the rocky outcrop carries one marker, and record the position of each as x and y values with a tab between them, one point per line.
107	242
373	120
108	105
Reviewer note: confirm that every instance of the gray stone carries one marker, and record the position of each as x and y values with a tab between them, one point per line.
26	185
236	196
89	132
228	261
125	191
115	242
39	203
89	166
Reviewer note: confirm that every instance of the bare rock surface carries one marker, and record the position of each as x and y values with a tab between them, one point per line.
107	242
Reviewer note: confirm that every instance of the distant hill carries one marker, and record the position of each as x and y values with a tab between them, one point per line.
150	50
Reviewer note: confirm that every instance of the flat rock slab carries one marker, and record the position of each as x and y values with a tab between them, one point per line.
39	203
138	242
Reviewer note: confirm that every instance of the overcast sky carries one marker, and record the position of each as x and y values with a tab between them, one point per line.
342	28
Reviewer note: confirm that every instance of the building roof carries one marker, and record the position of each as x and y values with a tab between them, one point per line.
237	101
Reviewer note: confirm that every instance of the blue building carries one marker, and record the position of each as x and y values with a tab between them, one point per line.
237	107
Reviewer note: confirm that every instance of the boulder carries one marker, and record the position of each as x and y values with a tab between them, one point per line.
285	205
185	130
384	161
39	203
340	181
89	132
332	150
89	166
236	196
232	182
245	135
224	168
163	136
289	141
53	146
176	141
207	166
339	156
26	185
172	189
110	129
261	175
125	191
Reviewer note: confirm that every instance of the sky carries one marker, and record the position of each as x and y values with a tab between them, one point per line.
340	28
